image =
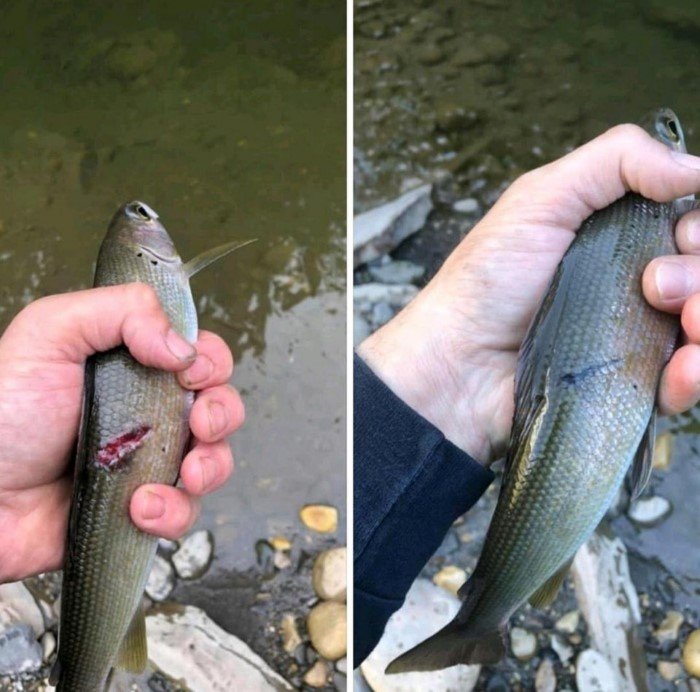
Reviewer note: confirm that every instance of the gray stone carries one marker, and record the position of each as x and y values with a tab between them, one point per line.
523	643
609	603
48	645
20	652
649	511
568	622
381	314
397	272
396	295
360	329
161	579
194	555
17	605
379	230
426	609
561	648
545	678
467	206
189	647
594	673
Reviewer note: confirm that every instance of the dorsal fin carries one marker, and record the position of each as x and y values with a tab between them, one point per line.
205	258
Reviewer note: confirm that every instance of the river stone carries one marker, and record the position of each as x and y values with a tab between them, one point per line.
397	272
320	518
327	625
20	652
561	648
342	666
450	578
17	605
381	314
290	634
649	511
669	670
48	646
523	643
360	329
691	653
317	675
545	678
668	629
568	622
189	647
193	557
467	206
329	576
427	608
161	579
594	673
396	295
378	231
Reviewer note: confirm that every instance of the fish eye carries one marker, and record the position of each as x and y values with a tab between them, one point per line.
672	128
141	211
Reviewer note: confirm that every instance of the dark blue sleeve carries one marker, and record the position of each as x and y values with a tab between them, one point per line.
410	486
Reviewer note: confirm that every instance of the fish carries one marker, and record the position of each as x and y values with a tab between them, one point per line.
134	430
585	391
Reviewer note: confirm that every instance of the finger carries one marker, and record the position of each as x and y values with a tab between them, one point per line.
164	511
212	366
206	467
688	233
73	326
679	389
668	282
596	174
217	412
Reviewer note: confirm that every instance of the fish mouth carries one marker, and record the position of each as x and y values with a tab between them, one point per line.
150	251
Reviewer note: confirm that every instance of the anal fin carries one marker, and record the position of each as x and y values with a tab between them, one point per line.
546	594
642	464
133	653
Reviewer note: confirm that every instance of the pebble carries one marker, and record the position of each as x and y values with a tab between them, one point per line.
396	295
669	670
280	543
561	648
668	629
397	272
663	449
317	675
281	560
381	314
545	678
161	580
327	624
594	673
48	646
523	643
194	555
568	622
691	654
20	652
649	511
17	605
320	518
342	666
360	329
450	117
467	206
329	576
167	546
450	578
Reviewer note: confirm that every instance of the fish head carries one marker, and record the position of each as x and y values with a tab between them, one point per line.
663	124
137	226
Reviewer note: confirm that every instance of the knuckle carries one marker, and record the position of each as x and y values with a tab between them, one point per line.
627	133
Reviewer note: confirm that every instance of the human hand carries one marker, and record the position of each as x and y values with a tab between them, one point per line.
451	353
42	359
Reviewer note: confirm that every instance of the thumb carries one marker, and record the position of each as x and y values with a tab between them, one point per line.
70	327
623	159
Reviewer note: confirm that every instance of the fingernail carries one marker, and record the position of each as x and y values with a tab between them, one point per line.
153	506
692	234
218	418
687	160
207	467
199	371
672	281
179	347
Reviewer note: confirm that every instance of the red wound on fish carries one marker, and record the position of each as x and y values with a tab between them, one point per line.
112	452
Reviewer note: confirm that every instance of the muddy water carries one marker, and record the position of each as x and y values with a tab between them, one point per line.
229	120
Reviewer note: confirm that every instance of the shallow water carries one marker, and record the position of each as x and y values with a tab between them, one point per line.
207	116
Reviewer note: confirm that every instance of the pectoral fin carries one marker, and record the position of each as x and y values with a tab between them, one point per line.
206	258
643	461
546	594
133	653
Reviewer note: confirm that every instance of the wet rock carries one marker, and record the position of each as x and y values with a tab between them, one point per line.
320	518
342	666
360	329
670	626
317	675
381	314
327	624
397	272
396	295
20	652
187	645
161	579
488	75
594	673
608	600
280	543
467	206
329	576
545	678
48	646
451	117
669	670
486	48
291	638
649	511
17	605
561	648
691	654
450	578
426	609
523	643
193	557
430	54
379	230
568	622
663	451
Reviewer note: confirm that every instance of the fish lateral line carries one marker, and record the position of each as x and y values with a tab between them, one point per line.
575	378
111	454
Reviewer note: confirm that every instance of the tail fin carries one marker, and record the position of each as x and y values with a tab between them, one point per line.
450	646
